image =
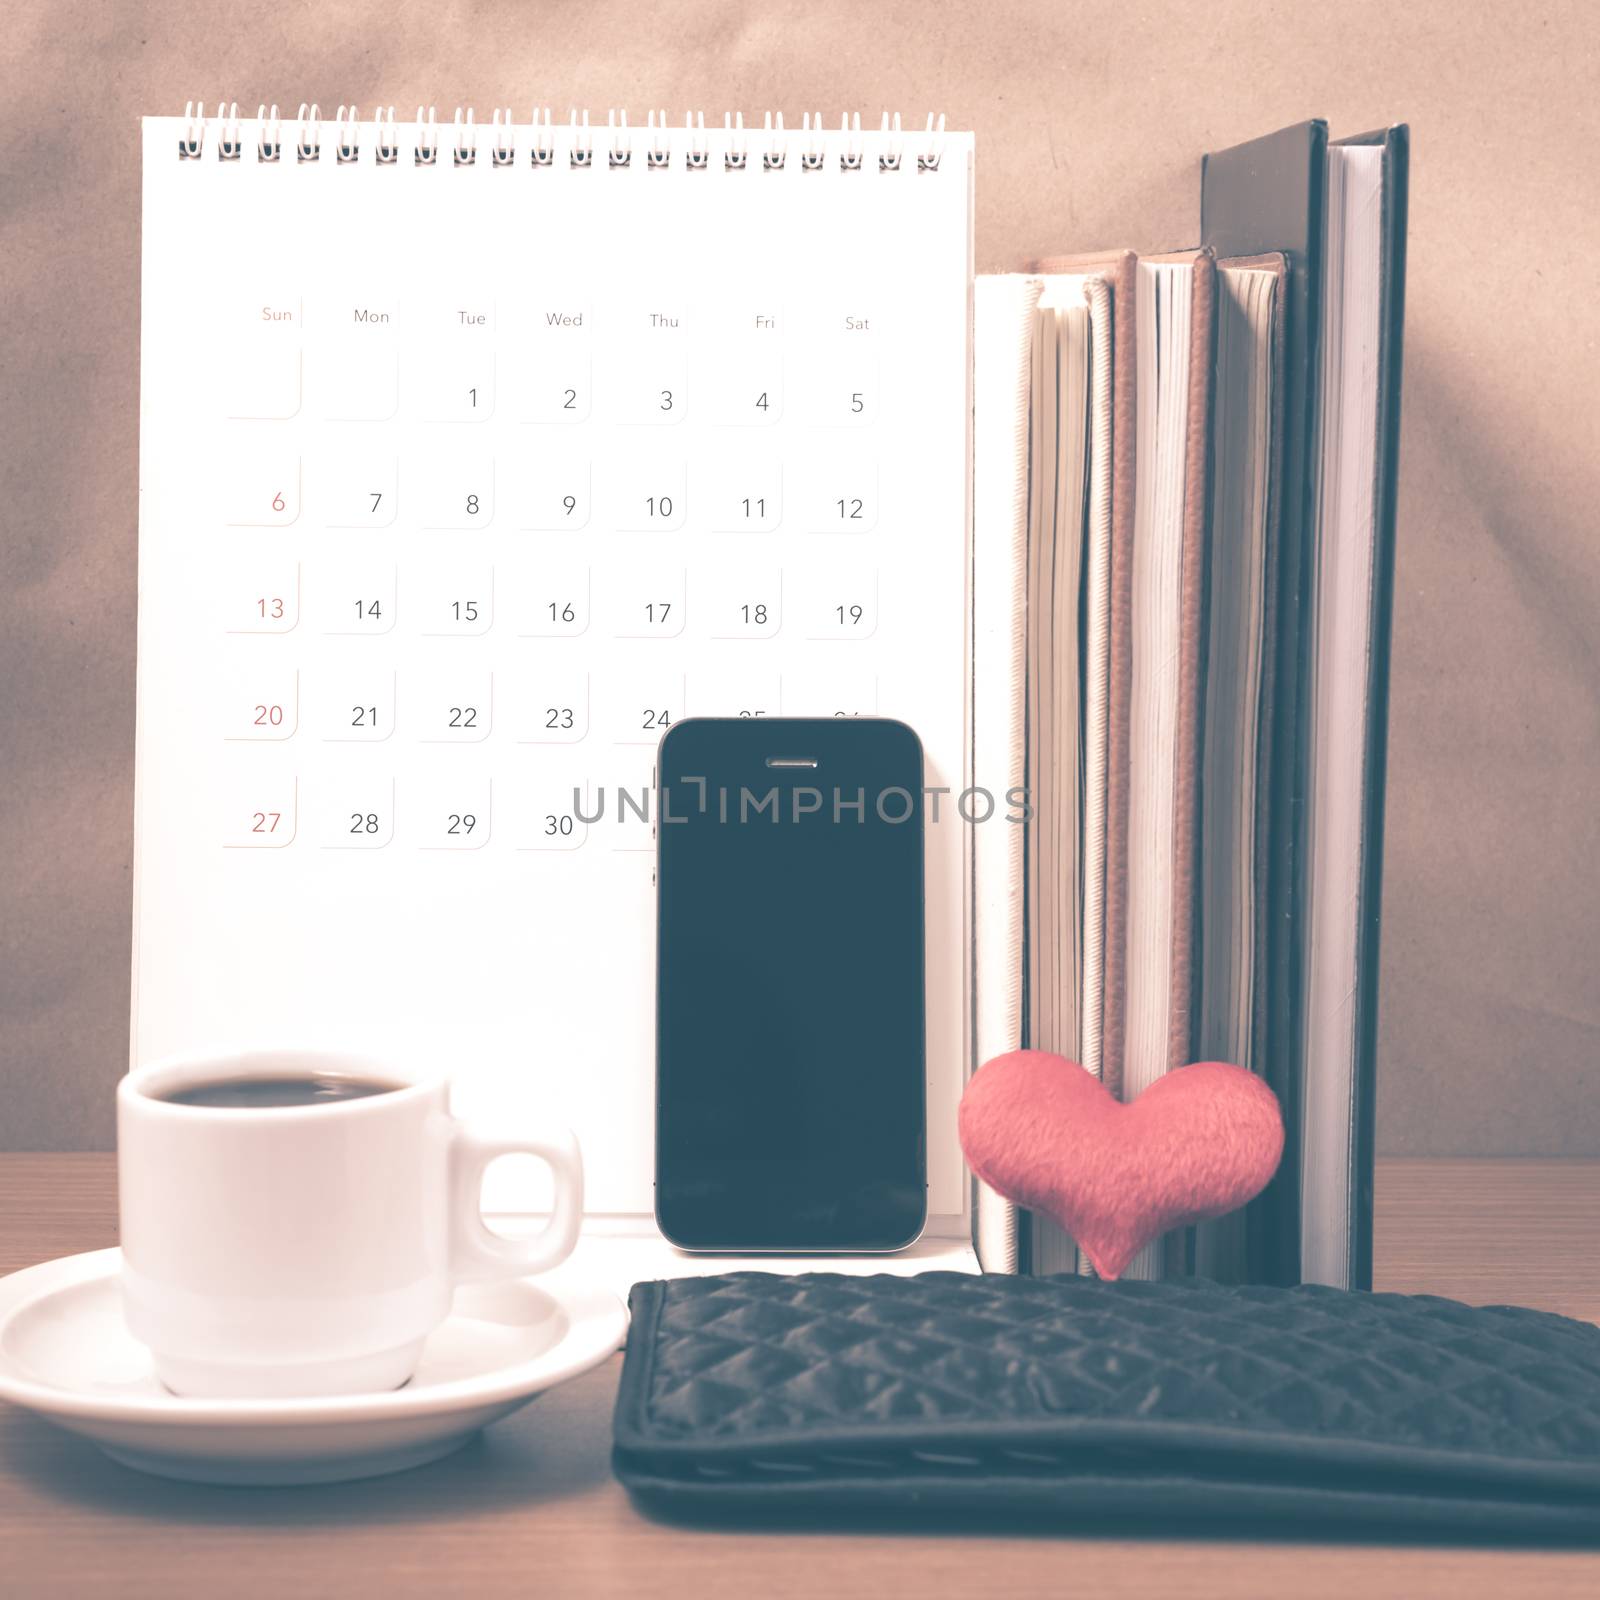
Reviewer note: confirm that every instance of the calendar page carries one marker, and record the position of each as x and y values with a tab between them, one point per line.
471	462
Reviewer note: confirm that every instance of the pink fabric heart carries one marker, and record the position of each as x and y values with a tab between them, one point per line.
1197	1143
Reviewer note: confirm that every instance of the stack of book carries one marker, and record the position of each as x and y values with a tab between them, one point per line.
1184	498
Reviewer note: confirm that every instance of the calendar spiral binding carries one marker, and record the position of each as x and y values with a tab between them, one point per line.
658	143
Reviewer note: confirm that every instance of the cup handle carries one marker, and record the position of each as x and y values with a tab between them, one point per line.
477	1252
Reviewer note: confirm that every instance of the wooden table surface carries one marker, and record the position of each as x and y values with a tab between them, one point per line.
530	1509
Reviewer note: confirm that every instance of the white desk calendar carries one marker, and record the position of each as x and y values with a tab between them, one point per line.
472	457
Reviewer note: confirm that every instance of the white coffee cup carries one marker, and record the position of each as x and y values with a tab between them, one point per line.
310	1249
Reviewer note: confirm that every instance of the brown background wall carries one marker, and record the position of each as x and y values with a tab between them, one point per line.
1090	121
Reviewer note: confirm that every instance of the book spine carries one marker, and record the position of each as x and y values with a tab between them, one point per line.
1003	338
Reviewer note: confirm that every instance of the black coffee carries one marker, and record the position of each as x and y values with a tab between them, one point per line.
254	1094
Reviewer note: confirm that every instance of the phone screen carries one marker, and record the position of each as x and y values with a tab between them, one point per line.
790	1053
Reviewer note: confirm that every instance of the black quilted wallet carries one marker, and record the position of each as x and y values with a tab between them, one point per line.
1086	1402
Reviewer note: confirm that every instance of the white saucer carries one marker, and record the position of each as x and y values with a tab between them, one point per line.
66	1354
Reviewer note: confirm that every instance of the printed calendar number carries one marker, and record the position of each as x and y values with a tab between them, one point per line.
640	710
841	379
748	393
550	601
551	706
649	497
259	701
842	607
353	707
354	490
548	810
744	494
451	813
456	598
456	382
550	360
743	602
558	394
455	708
843	498
457	493
647	383
257	811
744	369
265	827
258	596
352	813
261	488
552	495
854	402
740	694
353	597
647	603
830	694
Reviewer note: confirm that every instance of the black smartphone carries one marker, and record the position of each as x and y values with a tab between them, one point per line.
790	1086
